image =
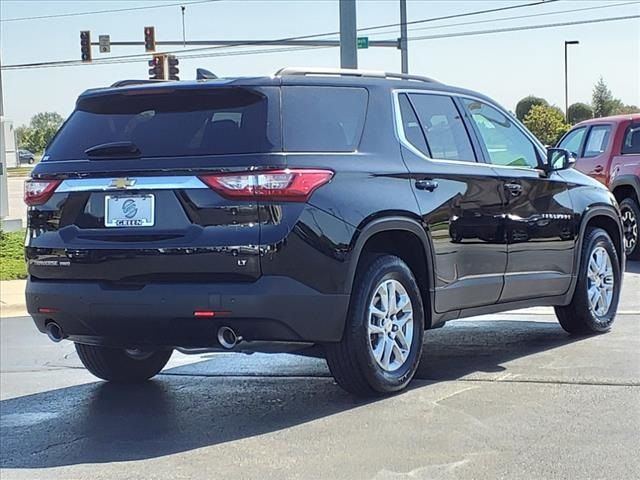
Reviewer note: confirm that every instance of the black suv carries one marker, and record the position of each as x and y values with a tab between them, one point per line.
333	211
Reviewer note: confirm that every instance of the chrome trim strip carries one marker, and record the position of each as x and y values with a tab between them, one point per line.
140	183
403	139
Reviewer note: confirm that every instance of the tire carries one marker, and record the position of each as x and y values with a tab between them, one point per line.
630	212
581	316
352	361
116	365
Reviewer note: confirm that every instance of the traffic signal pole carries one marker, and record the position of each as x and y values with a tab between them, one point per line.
404	53
348	34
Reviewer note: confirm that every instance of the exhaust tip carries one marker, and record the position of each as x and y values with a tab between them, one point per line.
54	332
227	337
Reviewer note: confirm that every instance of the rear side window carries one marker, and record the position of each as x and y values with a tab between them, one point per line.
447	137
597	140
174	123
573	140
631	142
323	119
411	125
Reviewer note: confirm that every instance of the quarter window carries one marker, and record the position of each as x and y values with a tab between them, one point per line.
323	119
597	140
443	127
573	140
631	143
506	144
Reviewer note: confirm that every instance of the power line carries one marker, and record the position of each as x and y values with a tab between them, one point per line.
526	27
287	49
518	17
115	10
245	44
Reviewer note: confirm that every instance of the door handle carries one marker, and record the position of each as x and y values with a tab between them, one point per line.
515	189
429	185
598	168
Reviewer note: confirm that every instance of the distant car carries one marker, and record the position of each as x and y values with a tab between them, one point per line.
608	149
25	156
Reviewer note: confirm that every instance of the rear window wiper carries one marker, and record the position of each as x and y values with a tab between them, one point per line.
114	149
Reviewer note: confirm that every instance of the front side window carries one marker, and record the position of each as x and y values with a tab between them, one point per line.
631	142
506	144
597	141
573	140
443	127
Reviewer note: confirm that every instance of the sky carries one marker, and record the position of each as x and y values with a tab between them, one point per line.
505	66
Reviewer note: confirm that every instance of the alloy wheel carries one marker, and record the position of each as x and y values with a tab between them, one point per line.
390	325
600	281
629	229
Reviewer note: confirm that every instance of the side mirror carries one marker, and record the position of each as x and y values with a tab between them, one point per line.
559	159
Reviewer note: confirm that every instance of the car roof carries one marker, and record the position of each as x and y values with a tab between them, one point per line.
610	119
366	80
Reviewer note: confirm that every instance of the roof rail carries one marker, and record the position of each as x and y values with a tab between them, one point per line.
125	83
347	72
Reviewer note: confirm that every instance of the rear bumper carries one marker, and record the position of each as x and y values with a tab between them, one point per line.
272	309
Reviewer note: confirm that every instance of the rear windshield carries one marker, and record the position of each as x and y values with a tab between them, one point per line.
174	123
229	120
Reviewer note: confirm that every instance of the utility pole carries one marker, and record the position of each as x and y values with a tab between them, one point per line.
4	194
566	78
348	34
404	47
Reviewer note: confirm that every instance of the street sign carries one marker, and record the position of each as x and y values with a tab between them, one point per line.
363	42
105	43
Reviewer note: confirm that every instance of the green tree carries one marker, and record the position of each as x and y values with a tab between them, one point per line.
627	109
579	112
547	123
42	127
525	104
602	100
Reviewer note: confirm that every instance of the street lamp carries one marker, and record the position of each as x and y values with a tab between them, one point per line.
566	78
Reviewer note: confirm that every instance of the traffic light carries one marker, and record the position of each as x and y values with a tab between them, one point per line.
173	67
85	45
149	39
156	72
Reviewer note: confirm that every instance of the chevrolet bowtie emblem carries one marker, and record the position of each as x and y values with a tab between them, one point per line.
122	183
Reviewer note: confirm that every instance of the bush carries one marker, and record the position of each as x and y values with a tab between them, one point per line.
579	112
12	263
546	123
524	105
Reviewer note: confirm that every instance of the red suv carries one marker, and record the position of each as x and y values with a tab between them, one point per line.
608	149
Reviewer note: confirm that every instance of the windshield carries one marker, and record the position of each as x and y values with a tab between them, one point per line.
173	123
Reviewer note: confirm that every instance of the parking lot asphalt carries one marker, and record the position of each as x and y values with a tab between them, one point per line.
502	396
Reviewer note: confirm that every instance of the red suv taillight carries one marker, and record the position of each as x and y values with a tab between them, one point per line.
288	185
37	192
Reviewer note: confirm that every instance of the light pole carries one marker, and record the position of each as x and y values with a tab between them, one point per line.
566	78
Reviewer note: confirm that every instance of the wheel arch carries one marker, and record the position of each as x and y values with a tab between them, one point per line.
626	186
406	238
607	218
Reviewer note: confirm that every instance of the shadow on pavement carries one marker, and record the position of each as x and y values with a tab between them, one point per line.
102	422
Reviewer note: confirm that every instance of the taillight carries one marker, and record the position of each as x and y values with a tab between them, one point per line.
289	185
37	192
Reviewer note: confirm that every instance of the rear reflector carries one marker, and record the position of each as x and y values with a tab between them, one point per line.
37	192
289	185
47	310
204	314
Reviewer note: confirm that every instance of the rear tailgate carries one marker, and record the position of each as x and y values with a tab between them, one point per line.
143	214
